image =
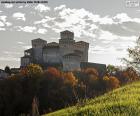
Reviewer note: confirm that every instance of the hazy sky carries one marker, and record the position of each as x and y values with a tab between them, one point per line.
110	26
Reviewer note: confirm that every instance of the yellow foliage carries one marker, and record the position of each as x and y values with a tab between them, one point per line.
34	70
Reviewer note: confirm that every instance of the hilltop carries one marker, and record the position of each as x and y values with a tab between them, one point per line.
124	101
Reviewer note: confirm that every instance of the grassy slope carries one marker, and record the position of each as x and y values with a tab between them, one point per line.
124	101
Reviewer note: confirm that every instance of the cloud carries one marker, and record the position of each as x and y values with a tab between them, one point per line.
42	8
42	31
8	24
20	43
11	53
9	59
123	17
19	16
26	47
2	29
20	7
3	18
8	5
46	19
59	7
106	35
29	29
1	24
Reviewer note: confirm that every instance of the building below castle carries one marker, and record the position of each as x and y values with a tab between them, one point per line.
67	54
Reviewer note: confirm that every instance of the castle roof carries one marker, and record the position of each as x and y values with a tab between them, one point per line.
29	50
39	39
81	42
66	31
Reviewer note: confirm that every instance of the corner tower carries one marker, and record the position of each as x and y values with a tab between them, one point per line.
37	45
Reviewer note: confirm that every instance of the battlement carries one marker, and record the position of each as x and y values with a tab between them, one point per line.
36	43
67	35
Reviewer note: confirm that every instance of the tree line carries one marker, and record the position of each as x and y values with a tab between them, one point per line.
54	89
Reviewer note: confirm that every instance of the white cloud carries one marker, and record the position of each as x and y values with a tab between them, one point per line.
46	19
11	53
20	7
106	35
2	24
8	5
42	31
9	59
3	18
123	17
8	24
27	29
42	8
26	47
2	29
20	43
60	7
19	16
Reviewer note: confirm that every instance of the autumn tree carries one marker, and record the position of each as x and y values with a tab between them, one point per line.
130	74
111	82
51	71
34	70
134	56
70	78
111	70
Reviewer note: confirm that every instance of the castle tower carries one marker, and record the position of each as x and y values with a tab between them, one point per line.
83	47
37	45
66	42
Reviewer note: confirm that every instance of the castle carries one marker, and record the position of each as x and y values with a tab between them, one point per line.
67	54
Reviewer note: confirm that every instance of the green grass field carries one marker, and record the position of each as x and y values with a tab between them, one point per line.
124	101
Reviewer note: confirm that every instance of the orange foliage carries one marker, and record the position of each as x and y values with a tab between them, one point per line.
53	71
70	78
114	82
131	74
91	71
111	82
24	71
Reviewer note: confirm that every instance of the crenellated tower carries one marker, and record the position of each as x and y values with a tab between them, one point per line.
66	42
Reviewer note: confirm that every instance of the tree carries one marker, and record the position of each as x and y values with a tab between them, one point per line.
53	72
8	70
34	70
111	70
111	82
70	78
134	57
130	74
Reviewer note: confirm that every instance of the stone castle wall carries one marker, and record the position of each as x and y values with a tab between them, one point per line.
55	52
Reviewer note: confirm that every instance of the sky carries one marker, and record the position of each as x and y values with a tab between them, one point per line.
109	26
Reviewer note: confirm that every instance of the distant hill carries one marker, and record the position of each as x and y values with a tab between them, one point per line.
124	101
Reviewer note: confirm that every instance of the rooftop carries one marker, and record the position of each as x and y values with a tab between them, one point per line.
39	39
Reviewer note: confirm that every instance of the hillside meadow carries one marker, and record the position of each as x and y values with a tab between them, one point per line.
124	101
